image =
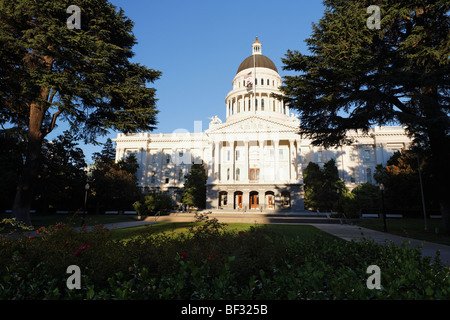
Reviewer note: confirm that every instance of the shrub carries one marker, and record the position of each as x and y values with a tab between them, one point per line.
210	263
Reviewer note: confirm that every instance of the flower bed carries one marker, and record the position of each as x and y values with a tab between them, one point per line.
210	263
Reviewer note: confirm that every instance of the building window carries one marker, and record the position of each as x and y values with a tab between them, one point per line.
153	177
367	155
268	82
262	82
168	158
167	180
369	175
262	104
180	175
256	82
228	155
254	174
228	174
223	198
352	175
238	174
238	155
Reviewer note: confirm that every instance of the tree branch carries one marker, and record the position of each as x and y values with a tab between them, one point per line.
53	123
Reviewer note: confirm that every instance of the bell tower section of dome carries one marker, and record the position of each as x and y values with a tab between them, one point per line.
256	81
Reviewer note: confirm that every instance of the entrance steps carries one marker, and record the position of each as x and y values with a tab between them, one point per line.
248	217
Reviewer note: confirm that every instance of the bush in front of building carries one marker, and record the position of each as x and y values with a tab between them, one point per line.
154	203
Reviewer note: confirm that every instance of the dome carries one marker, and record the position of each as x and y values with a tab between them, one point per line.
260	62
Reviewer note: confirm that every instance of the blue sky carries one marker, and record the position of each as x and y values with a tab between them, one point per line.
198	46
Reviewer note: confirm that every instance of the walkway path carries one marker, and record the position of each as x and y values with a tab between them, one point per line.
349	232
321	221
326	224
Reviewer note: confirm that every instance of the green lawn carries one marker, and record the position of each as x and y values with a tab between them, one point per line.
290	231
409	227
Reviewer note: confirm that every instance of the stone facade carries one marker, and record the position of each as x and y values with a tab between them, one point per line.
255	158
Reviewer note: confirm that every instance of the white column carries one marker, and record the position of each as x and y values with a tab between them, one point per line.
298	164
292	160
207	156
161	161
277	160
245	170
261	161
216	162
233	166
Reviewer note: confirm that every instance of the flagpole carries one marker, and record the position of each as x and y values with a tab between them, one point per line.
254	82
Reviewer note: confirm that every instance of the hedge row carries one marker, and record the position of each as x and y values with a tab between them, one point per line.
209	263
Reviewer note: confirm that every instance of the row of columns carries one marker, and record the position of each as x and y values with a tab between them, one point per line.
245	169
246	102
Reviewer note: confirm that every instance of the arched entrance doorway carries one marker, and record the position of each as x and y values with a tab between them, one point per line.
223	199
285	199
270	200
238	200
254	200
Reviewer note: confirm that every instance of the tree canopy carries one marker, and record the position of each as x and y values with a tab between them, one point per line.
323	187
195	187
84	77
355	77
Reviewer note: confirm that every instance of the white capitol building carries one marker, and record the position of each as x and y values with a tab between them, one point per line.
255	158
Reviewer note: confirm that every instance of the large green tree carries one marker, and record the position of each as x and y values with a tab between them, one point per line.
62	177
12	152
322	187
356	77
114	185
85	77
195	187
402	182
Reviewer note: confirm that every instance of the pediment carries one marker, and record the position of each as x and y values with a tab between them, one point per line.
256	124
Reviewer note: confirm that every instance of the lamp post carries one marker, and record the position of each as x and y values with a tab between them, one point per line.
86	188
421	192
338	199
382	207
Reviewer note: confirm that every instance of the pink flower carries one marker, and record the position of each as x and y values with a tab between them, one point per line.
184	256
78	252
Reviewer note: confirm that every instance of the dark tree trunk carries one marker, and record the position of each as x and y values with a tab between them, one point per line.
27	181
